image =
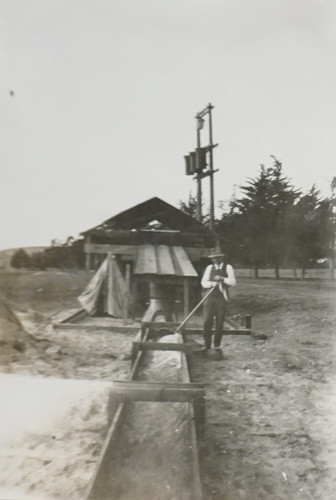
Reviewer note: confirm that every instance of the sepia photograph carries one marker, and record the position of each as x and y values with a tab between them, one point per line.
167	250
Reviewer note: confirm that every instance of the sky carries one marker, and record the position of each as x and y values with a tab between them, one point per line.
98	101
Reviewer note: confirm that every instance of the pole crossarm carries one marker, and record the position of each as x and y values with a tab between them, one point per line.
207	173
211	146
204	111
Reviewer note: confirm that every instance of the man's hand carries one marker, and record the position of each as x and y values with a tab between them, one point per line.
218	277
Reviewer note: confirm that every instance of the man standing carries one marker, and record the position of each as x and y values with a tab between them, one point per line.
220	276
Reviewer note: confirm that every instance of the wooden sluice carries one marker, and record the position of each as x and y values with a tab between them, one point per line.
123	469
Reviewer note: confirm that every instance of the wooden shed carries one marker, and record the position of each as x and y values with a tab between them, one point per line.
161	250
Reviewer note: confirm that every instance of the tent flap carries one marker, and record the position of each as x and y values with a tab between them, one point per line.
107	281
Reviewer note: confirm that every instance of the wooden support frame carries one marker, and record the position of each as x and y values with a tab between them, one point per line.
71	315
194	393
231	327
226	331
191	394
69	322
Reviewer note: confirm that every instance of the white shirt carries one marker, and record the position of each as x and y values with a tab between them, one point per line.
229	281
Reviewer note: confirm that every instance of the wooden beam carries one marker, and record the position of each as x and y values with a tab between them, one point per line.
69	315
130	250
96	488
225	331
109	328
194	254
170	325
157	391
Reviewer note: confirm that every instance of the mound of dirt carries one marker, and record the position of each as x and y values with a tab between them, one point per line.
13	338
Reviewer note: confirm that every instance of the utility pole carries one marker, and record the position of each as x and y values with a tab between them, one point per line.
200	123
198	161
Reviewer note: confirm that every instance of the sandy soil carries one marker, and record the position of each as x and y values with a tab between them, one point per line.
270	416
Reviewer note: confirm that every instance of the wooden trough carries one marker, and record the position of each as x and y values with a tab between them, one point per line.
167	465
178	478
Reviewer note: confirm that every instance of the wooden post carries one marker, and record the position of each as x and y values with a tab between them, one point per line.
199	411
87	262
108	289
186	307
88	256
128	281
248	322
199	179
212	203
96	260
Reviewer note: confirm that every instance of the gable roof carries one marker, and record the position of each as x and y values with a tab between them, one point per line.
153	209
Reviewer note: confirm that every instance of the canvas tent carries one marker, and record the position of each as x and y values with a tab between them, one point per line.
108	285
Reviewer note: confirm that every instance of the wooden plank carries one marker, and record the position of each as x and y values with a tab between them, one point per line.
153	326
184	262
147	385
150	260
225	331
130	250
194	254
157	391
96	485
108	328
76	315
62	316
146	261
195	430
164	260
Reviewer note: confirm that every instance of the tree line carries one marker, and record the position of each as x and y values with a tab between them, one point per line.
67	255
273	224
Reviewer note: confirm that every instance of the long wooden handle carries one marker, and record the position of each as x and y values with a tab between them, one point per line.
195	309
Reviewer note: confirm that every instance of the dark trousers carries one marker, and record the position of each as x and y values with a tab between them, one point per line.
214	308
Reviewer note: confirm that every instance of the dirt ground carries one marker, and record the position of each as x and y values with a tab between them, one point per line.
270	411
